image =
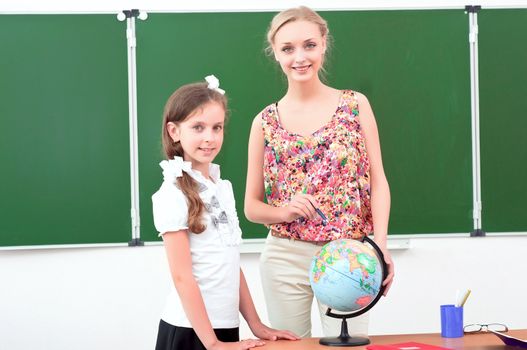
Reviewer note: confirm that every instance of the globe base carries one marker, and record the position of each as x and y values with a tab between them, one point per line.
344	341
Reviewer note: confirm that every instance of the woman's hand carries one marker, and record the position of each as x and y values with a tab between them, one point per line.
301	205
263	332
387	283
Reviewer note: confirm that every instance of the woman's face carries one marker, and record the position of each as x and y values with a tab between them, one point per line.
299	47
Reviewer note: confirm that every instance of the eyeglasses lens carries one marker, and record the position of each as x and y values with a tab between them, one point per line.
473	328
498	327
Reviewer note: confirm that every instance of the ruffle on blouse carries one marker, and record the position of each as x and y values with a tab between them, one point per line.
174	168
222	212
224	220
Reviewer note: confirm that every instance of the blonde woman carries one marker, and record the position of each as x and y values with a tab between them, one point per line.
316	148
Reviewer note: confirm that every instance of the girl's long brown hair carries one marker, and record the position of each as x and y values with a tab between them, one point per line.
184	102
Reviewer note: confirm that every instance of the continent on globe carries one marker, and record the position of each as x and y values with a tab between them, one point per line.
346	275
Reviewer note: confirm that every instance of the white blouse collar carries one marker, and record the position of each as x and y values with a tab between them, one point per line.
173	168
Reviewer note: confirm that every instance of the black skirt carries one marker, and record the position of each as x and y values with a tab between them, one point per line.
171	337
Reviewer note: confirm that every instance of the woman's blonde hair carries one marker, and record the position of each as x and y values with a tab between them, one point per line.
301	13
183	103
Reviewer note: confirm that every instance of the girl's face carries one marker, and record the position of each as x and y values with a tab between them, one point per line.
200	135
299	48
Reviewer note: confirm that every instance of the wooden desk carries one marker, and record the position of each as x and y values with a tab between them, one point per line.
481	341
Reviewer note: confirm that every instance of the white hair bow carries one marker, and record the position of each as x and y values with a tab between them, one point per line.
214	84
174	168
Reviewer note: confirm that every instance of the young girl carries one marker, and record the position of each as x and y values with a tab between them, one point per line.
195	214
317	147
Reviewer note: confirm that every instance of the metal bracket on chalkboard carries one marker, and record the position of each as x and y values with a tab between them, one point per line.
136	242
478	233
472	8
131	13
134	13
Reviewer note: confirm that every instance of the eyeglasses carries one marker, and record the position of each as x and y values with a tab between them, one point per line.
476	328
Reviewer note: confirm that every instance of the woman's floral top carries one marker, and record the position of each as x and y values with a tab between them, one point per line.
331	164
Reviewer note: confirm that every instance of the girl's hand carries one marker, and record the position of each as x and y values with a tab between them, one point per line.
301	205
263	332
387	283
240	345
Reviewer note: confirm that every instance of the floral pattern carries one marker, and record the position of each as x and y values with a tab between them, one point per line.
331	164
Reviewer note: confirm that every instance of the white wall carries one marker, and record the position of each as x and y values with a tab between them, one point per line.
111	298
27	6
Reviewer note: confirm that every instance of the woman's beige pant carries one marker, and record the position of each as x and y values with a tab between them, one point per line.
284	268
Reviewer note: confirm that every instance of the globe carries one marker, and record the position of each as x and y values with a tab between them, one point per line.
347	275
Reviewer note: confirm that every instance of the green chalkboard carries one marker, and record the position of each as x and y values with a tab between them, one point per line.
181	48
65	175
64	143
413	66
503	116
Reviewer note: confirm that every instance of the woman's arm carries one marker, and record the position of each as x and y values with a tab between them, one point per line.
249	313
380	191
256	210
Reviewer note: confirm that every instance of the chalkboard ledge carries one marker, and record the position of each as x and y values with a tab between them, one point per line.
64	246
255	245
248	246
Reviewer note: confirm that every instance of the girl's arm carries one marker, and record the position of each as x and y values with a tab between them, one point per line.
177	249
380	191
248	312
256	210
180	263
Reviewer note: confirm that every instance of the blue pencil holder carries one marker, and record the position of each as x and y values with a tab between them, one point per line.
451	321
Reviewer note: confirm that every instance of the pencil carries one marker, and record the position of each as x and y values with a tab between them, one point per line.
324	218
465	298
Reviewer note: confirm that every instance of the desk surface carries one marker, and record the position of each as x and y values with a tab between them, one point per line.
481	341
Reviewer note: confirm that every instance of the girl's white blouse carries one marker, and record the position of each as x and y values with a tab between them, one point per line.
215	252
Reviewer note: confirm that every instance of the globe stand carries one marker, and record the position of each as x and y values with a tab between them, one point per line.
344	339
